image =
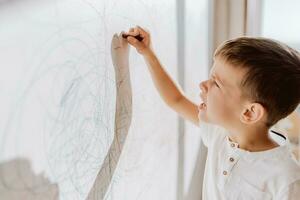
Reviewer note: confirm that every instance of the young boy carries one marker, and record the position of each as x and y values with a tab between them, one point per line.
254	82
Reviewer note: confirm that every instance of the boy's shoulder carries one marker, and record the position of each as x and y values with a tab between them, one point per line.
286	162
287	166
278	167
286	178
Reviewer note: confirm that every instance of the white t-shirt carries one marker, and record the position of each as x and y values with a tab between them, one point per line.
236	174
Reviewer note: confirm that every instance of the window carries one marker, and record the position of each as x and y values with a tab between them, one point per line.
281	21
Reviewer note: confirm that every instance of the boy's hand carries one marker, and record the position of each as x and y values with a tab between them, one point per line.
143	47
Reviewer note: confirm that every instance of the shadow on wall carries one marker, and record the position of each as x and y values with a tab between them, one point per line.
18	181
123	117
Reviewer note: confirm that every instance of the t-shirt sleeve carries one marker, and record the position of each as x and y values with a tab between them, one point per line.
291	192
209	132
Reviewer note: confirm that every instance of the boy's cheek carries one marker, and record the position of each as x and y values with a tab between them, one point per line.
220	111
218	108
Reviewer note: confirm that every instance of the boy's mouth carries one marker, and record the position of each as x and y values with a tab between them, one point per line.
202	106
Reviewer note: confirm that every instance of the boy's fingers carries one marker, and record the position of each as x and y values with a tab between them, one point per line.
131	32
135	31
142	31
134	42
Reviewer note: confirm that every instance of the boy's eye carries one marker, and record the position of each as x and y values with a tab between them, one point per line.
216	84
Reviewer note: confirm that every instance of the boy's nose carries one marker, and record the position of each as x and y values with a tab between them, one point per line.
202	86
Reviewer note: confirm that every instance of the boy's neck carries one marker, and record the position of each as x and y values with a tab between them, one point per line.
254	140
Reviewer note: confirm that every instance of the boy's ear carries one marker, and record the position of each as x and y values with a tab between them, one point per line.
252	113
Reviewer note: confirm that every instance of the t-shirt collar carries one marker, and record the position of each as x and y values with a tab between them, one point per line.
271	153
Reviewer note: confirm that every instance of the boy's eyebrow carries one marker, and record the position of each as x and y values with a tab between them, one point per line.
217	78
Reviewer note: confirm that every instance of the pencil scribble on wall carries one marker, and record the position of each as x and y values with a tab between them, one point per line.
62	104
66	101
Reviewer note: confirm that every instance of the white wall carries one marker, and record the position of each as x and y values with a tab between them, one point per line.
57	98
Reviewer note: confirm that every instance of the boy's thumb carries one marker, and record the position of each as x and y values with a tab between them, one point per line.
134	42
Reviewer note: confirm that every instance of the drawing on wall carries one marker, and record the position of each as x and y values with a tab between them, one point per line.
18	171
63	105
67	104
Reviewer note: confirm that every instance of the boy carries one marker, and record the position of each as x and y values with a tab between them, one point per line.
254	82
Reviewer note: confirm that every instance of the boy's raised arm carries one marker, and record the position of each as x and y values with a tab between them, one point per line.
167	88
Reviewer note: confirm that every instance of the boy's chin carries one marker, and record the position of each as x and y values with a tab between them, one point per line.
202	117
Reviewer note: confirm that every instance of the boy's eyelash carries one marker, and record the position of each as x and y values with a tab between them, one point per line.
216	84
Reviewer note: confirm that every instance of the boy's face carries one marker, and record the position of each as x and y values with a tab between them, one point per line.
222	95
